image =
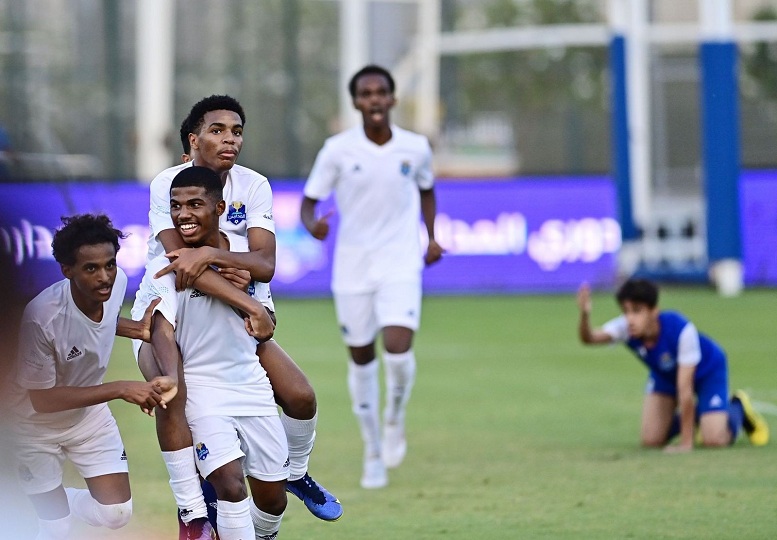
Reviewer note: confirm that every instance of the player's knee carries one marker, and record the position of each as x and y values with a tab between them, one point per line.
716	440
653	441
273	503
229	483
115	516
301	403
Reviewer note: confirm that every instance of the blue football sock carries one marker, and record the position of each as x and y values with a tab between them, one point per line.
210	501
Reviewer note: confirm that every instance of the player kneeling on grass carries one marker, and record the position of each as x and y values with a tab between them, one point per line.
230	408
685	366
60	401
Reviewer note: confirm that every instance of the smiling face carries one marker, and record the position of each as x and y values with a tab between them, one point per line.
219	141
195	215
642	319
92	275
374	100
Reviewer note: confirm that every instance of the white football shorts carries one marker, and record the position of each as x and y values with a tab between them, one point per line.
93	445
361	316
258	441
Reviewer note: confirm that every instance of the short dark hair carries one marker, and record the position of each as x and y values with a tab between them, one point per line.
203	177
640	291
213	103
371	69
185	130
83	230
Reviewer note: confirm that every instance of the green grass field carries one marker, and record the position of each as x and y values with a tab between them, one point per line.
515	430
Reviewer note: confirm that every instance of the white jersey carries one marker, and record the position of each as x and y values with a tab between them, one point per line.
376	189
60	346
247	193
222	373
249	204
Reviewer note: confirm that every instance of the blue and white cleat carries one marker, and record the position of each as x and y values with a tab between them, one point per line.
317	499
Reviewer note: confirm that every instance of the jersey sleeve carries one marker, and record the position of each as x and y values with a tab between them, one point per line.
159	210
688	346
617	329
162	287
323	175
425	174
259	206
37	363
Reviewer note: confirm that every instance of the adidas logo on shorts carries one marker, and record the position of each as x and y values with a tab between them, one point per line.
196	294
74	353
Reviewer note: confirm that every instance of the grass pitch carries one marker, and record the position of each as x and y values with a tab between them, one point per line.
515	430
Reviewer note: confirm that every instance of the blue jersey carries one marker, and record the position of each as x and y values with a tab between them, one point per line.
662	359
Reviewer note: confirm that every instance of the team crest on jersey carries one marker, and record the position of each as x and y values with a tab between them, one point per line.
404	168
666	362
251	288
236	212
202	451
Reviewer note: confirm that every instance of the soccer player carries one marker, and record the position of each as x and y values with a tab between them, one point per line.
684	365
377	172
230	407
212	137
61	410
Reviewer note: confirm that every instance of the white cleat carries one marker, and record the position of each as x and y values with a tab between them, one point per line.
375	475
394	445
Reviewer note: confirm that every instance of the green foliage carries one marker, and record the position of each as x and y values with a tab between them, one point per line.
515	430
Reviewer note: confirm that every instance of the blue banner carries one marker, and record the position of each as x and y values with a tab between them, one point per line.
527	235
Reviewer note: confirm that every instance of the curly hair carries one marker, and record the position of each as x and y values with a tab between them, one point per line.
212	103
83	230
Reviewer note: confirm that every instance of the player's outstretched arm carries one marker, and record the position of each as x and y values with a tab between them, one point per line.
63	398
588	335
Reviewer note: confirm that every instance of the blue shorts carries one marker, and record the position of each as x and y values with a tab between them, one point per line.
711	390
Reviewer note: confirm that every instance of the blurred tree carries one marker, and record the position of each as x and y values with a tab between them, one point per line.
555	98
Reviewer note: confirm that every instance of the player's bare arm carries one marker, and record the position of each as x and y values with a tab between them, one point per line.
588	335
317	227
137	329
687	407
62	398
434	251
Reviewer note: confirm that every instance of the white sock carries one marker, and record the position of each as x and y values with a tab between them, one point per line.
54	529
300	434
365	396
96	514
266	526
234	519
185	483
400	375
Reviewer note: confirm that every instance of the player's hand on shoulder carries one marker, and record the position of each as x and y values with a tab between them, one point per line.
188	264
237	276
433	252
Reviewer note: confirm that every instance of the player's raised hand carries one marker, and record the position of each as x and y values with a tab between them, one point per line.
237	276
433	252
320	229
584	298
188	264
